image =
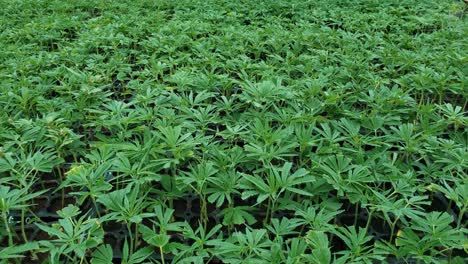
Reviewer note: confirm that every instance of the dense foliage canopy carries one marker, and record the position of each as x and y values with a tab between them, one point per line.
216	131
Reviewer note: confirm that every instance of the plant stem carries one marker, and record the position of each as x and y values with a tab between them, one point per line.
162	255
392	229
203	213
60	173
230	225
7	226
449	205
37	218
267	212
173	183
356	209
272	210
95	206
369	219
136	235
302	229
460	216
129	229
23	232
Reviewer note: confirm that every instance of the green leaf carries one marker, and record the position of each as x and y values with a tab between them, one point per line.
140	255
102	255
15	252
318	241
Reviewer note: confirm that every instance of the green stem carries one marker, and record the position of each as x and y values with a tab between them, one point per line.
369	219
449	205
203	213
332	236
95	206
82	259
173	184
7	226
136	235
36	218
302	229
356	209
23	232
460	216
392	230
60	173
162	255
301	162
267	212
230	225
131	238
171	202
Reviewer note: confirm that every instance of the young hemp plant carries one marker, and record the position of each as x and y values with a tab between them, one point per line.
159	234
75	235
128	206
277	182
14	199
198	179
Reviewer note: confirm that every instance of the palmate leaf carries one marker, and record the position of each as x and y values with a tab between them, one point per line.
278	181
222	188
114	200
409	242
43	162
333	169
268	152
53	231
295	250
17	251
153	238
357	242
319	220
438	230
238	215
102	255
38	161
136	257
318	242
73	236
283	228
198	177
125	205
200	234
459	195
354	240
7	162
287	181
90	180
11	199
251	243
254	186
200	240
256	182
266	92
